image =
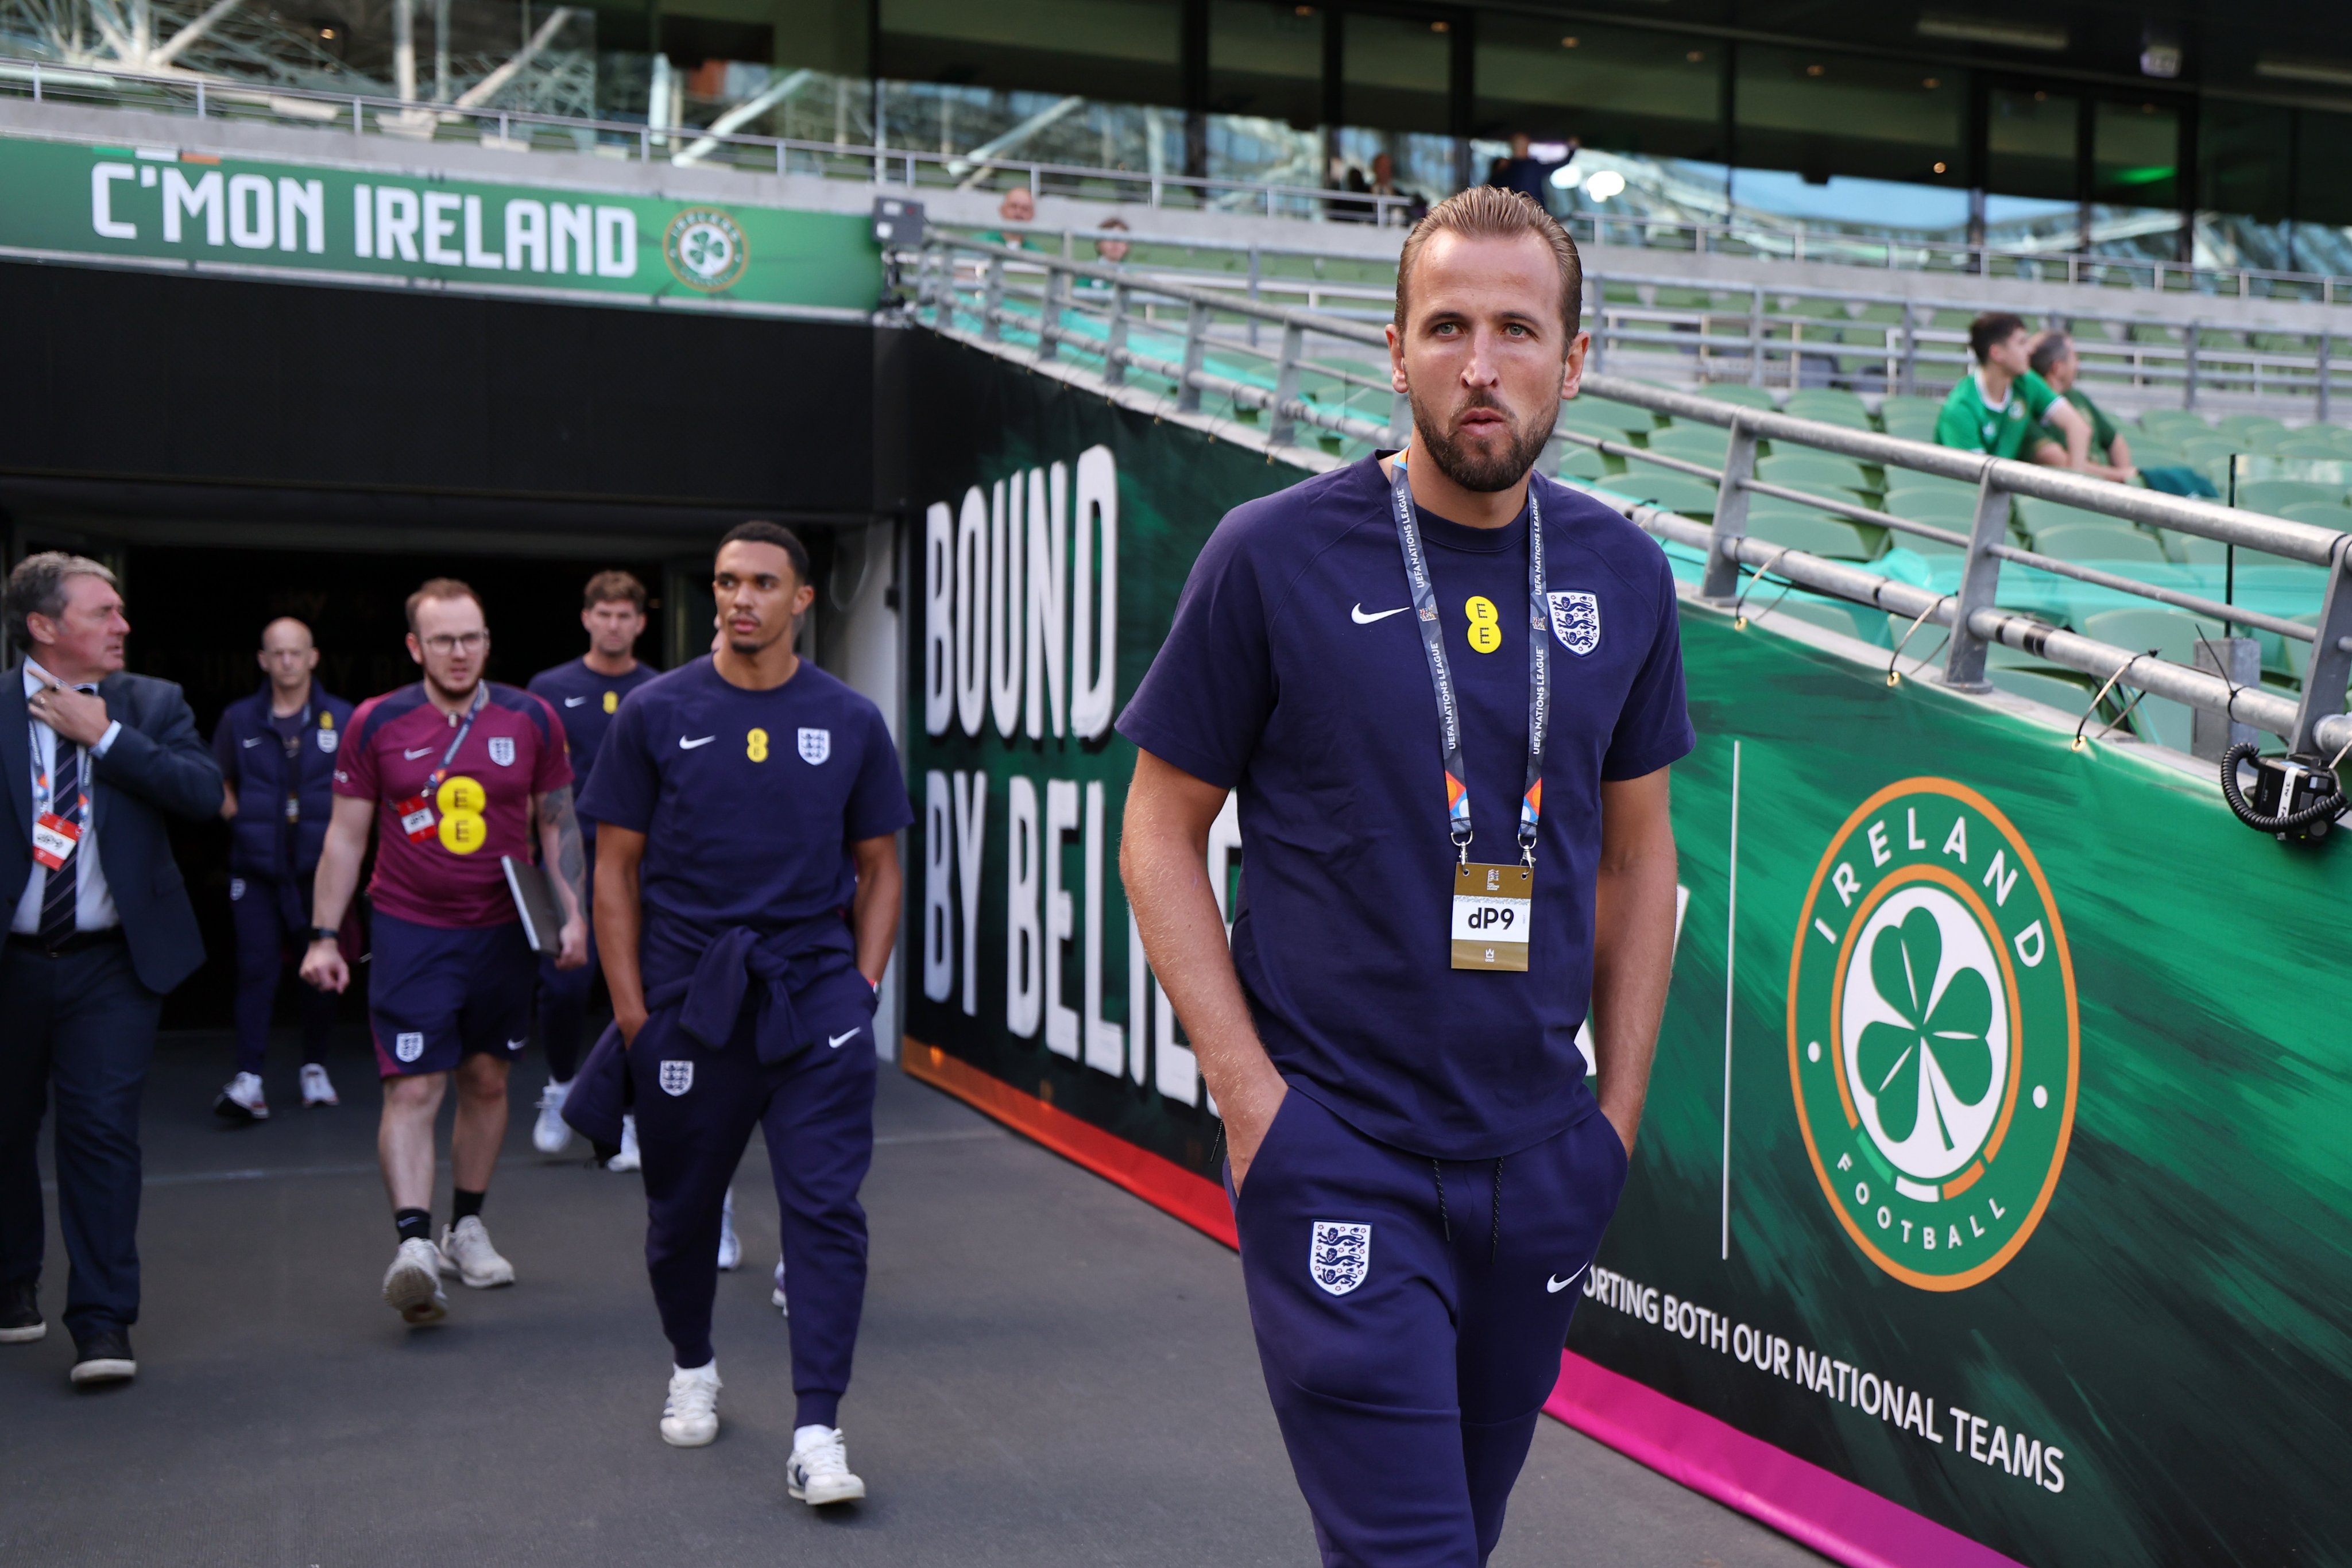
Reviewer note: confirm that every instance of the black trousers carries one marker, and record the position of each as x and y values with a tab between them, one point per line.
80	1025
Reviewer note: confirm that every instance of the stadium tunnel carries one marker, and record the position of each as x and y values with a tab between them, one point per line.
377	439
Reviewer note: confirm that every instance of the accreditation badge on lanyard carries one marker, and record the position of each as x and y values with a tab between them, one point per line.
418	818
1493	904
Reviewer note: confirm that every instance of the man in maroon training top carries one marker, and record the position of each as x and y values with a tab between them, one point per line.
456	770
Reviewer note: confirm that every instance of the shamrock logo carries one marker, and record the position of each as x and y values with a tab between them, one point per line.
706	250
1947	1029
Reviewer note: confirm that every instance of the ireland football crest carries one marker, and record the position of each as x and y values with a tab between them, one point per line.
502	750
677	1077
1340	1255
1576	621
1932	1033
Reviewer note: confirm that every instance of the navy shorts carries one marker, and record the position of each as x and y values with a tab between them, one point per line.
438	995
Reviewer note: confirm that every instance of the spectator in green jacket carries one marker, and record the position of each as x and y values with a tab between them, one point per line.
2053	358
2001	406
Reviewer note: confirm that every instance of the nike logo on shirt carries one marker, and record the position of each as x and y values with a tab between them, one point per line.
413	756
574	702
1361	619
686	745
1553	1287
836	1041
254	742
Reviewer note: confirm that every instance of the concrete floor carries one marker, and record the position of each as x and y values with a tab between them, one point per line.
1050	1373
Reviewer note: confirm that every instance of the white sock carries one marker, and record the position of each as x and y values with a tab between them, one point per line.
810	1436
709	1369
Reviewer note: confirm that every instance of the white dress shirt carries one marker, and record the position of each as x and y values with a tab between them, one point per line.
93	903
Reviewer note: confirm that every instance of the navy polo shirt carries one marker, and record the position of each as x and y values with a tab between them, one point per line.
1295	674
749	800
587	703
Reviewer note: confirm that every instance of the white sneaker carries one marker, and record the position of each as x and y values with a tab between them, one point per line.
242	1100
318	1089
552	1133
818	1472
690	1418
412	1285
467	1253
776	1297
730	1245
626	1160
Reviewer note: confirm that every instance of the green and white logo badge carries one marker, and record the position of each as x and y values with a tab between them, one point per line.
1932	1034
706	249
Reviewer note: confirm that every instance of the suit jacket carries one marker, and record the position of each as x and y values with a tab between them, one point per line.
157	766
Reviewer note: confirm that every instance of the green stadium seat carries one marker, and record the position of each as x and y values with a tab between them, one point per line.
2271	495
1745	396
2042	685
1693	443
1909	424
2034	515
2153	332
2101	543
1583	462
2247	427
2192	549
2179	420
1829	406
1818	533
2321	514
1803	469
1602	417
1674	492
1939	509
2173	634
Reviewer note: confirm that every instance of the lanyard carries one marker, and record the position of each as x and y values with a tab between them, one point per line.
293	742
481	696
42	798
1449	707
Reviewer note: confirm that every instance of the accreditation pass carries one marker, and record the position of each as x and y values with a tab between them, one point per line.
1493	905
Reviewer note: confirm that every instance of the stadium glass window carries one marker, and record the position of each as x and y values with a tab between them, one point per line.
2323	175
1266	62
1123	51
2030	143
1850	140
2135	155
1619	89
1396	72
2242	159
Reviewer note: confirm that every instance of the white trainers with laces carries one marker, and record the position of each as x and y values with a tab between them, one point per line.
776	1296
241	1101
552	1133
626	1160
411	1286
818	1472
690	1418
318	1089
467	1253
730	1245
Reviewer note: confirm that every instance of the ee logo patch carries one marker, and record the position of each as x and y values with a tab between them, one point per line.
1486	624
755	746
462	829
612	702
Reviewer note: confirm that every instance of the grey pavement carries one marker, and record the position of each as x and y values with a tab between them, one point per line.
1051	1372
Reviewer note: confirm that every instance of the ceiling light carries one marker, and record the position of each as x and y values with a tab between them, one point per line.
1567	42
1566	176
1604	184
2288	68
1939	168
1978	30
1814	70
1931	84
1696	56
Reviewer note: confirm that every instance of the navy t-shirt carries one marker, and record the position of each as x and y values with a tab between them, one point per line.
587	703
1295	674
749	800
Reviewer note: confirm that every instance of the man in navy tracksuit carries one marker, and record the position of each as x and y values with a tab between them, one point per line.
747	897
1447	694
277	753
585	692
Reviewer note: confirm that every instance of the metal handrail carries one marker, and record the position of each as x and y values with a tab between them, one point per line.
411	113
1971	615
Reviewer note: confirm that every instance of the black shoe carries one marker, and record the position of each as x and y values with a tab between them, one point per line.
104	1357
20	1313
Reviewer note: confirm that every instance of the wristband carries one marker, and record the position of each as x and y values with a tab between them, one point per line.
326	934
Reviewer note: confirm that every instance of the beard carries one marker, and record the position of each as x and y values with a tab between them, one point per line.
1484	473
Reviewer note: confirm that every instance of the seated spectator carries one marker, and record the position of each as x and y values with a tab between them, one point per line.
2001	406
2053	358
1017	207
1113	251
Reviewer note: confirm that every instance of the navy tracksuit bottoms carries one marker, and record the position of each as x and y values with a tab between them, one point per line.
268	913
696	1108
1409	1315
563	1000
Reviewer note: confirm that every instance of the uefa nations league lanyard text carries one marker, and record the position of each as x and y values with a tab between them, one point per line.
1492	902
481	696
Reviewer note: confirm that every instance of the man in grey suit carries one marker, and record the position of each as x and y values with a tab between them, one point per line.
91	761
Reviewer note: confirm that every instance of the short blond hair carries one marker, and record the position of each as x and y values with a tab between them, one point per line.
1490	212
444	588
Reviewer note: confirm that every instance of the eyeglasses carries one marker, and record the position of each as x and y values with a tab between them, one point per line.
464	642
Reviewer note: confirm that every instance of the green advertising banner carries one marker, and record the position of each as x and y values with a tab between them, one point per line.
364	224
2027	1209
2011	1182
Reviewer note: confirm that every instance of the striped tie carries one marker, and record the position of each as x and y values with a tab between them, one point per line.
61	897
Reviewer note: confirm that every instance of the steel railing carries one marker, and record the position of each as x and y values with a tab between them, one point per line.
205	97
1097	312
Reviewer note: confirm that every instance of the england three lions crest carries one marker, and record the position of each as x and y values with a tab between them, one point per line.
816	745
677	1077
1576	621
502	750
1339	1256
